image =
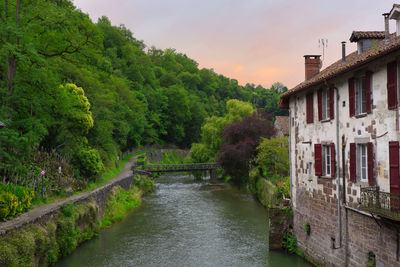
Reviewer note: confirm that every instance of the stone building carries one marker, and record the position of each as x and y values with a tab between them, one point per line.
281	125
344	153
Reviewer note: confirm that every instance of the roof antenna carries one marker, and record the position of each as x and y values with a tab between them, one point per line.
324	43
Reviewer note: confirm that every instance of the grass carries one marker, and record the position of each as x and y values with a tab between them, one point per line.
119	203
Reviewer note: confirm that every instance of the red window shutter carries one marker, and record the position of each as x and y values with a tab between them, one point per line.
333	160
368	89
392	85
370	158
320	105
353	160
332	102
318	159
352	103
310	108
394	164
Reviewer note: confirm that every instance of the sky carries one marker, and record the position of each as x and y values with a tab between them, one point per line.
252	41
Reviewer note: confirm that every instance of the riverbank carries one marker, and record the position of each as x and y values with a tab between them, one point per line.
49	232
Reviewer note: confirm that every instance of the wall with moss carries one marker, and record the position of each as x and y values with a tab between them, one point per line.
43	235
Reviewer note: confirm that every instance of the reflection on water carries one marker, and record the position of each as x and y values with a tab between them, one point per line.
186	223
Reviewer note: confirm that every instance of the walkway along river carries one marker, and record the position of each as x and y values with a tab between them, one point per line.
186	223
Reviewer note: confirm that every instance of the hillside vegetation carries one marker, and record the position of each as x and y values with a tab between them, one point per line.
77	94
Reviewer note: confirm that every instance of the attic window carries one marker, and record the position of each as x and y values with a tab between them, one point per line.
365	44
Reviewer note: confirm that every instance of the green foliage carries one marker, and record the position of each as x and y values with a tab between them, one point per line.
119	203
213	128
144	183
14	200
371	260
307	228
47	243
89	163
290	242
88	92
273	156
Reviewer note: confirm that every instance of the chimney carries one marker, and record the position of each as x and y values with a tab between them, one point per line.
386	16
313	64
343	53
395	14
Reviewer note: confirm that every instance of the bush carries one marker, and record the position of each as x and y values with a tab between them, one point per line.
145	183
290	242
89	163
14	200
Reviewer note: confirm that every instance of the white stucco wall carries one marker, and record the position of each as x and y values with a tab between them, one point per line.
379	127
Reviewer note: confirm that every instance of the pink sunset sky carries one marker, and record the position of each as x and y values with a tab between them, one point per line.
253	41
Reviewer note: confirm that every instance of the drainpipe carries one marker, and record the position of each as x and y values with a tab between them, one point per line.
290	157
338	168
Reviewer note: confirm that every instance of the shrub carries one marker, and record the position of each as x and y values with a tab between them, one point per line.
14	199
89	163
290	242
145	183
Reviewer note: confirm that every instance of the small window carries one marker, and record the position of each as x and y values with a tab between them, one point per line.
310	108
326	154
325	104
361	96
362	158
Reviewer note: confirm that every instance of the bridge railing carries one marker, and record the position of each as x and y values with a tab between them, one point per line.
177	167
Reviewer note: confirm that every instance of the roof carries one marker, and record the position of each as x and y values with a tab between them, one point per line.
2	124
282	124
353	61
358	35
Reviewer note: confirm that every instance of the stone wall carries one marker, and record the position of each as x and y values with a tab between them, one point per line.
361	234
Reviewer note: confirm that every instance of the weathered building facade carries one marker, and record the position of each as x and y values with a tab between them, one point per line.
344	153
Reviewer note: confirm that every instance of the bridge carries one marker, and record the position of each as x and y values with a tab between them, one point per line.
164	168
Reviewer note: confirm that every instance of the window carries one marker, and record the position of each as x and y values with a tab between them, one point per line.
325	104
361	96
362	163
362	169
310	108
326	151
325	161
392	85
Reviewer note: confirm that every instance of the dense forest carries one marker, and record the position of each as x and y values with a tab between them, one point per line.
76	94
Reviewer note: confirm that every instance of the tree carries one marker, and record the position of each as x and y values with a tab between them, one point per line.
240	141
213	128
273	156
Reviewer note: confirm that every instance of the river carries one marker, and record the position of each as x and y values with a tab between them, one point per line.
186	223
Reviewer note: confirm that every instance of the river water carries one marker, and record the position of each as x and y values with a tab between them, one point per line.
186	223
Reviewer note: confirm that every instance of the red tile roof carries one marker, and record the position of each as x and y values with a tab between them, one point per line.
358	35
353	60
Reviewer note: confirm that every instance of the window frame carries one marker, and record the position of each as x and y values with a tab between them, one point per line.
360	91
325	105
327	161
362	158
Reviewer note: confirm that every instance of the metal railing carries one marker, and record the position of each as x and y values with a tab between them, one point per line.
176	167
381	203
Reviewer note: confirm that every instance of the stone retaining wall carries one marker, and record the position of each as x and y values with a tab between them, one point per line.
361	233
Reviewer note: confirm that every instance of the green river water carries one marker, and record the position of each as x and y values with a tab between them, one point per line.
186	223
